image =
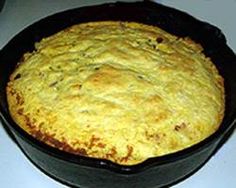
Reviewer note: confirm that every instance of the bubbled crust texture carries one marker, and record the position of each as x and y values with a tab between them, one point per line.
118	91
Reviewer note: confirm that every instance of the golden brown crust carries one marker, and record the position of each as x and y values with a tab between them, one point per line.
117	90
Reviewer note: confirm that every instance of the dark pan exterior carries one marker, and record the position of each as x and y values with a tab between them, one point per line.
78	171
1	4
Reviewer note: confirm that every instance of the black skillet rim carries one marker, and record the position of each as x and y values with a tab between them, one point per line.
103	163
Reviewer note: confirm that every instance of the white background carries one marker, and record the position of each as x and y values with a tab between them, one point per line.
17	172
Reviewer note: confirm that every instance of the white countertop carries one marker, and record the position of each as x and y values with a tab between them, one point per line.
17	171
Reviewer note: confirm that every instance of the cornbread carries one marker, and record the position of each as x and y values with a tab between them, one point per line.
121	91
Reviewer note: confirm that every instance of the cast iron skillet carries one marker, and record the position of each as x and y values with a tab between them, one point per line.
81	171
